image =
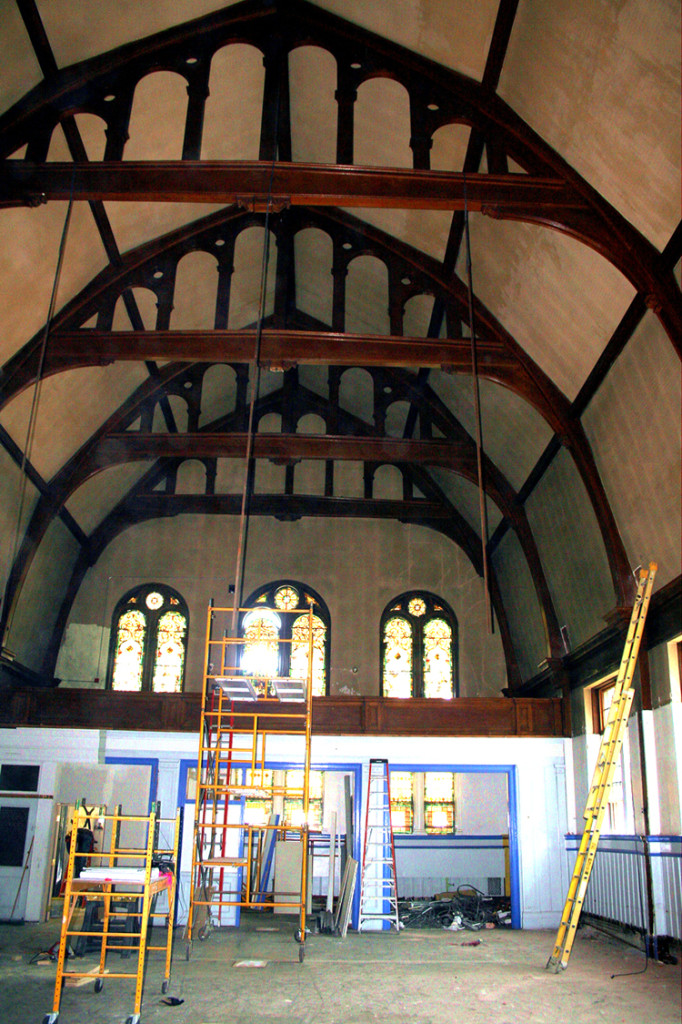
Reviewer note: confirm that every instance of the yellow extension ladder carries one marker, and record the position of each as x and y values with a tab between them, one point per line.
607	759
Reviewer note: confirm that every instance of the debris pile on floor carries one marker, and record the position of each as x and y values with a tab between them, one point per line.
465	907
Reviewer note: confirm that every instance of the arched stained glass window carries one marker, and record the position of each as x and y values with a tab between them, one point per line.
276	632
418	647
261	630
129	654
397	658
148	641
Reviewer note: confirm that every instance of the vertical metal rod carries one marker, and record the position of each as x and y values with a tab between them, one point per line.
33	415
479	426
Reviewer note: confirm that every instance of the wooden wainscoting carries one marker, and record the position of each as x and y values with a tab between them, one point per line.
64	708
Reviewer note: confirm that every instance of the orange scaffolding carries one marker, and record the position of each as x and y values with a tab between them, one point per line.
119	875
251	719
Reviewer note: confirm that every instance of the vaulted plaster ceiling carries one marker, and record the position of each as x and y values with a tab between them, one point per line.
227	221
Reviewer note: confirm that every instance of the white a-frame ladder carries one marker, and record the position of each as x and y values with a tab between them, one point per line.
607	759
378	891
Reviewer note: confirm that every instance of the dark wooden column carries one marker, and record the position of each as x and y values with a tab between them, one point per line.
197	90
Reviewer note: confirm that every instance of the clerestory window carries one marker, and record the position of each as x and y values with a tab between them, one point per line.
418	647
276	631
148	641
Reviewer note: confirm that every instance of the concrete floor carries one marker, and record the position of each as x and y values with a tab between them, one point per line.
422	976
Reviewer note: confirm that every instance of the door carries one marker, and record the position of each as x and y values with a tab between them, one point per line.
17	828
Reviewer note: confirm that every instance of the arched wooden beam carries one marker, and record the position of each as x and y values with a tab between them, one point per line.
499	489
521	374
105	84
54	498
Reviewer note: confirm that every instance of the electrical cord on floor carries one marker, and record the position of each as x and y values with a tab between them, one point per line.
464	908
42	957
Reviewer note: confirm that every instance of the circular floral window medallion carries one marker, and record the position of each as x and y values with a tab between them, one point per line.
154	600
417	607
286	598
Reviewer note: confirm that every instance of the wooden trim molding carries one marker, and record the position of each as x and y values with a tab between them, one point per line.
62	708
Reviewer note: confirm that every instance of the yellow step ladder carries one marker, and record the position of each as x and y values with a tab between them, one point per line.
607	759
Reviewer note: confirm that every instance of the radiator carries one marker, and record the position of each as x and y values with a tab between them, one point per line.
617	886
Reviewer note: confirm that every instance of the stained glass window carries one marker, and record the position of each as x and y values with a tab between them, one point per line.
129	656
169	662
397	658
283	649
293	803
418	647
437	658
439	801
148	647
261	643
300	650
402	801
286	598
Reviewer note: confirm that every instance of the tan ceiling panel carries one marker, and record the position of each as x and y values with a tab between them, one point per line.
312	81
313	254
560	300
106	25
464	496
514	434
234	103
367	296
133	225
633	424
157	119
382	124
253	259
22	72
195	294
29	251
455	34
146	304
218	393
92	502
72	405
601	83
426	230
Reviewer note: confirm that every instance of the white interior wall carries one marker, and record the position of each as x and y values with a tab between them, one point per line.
538	765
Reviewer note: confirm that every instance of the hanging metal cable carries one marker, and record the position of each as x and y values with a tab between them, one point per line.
477	412
35	401
248	456
255	385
